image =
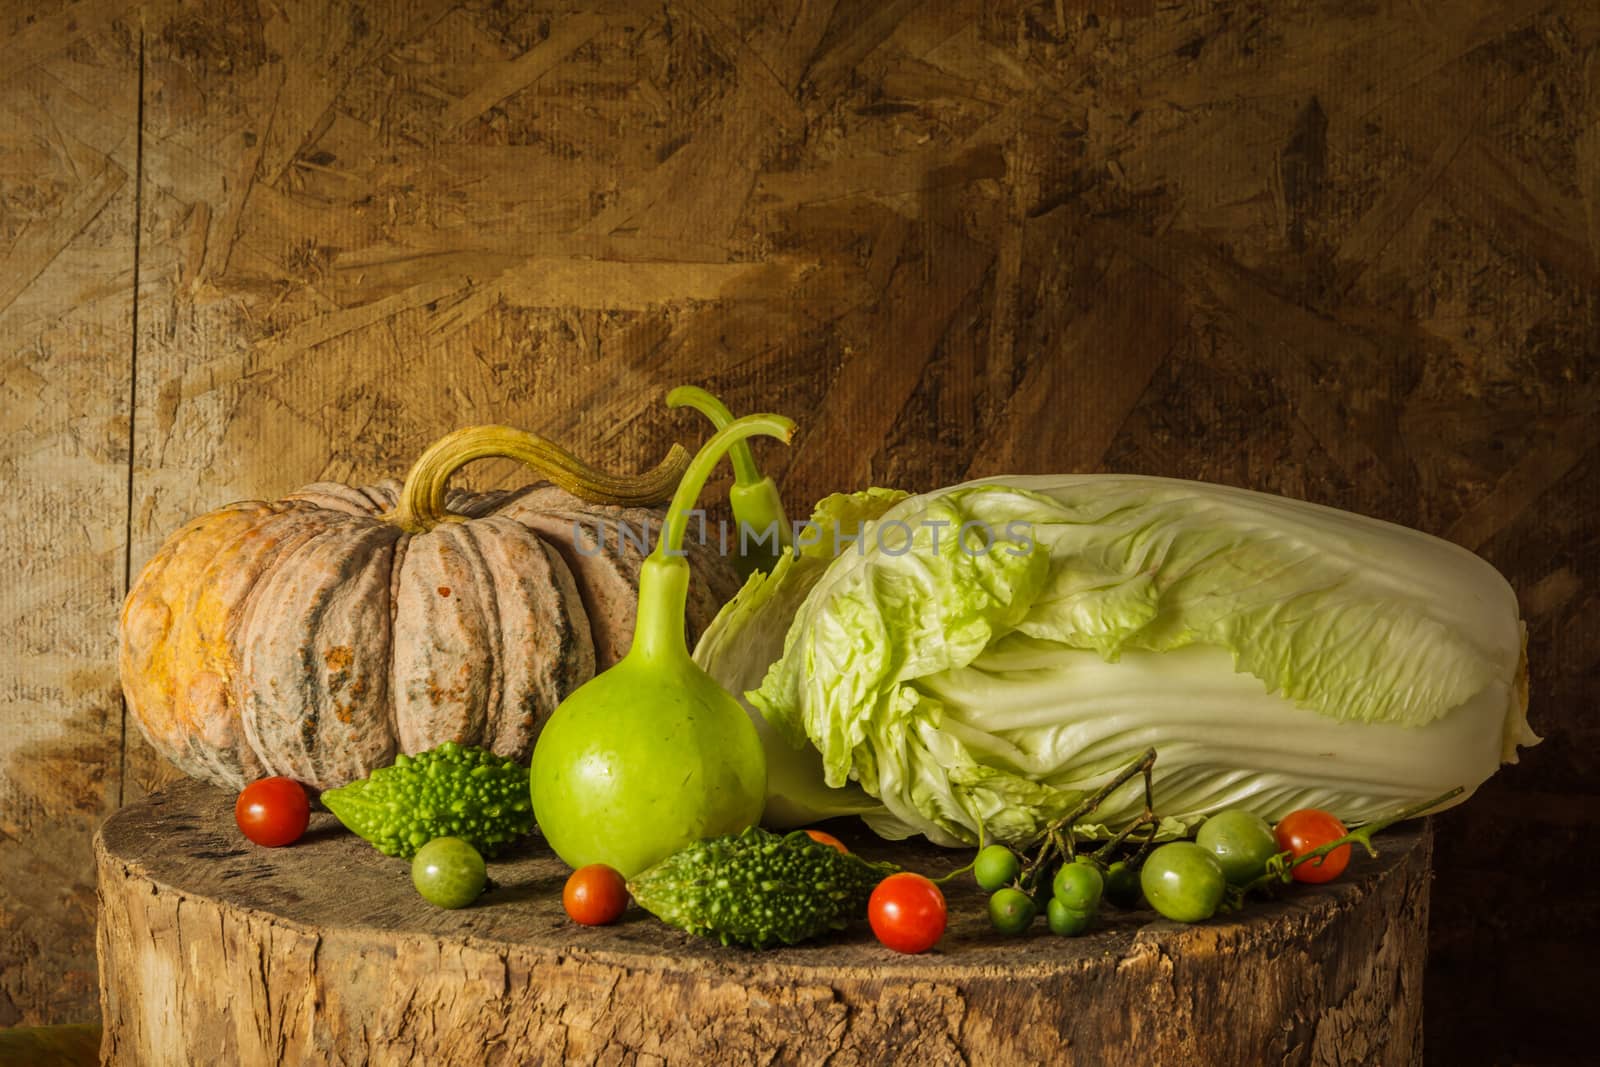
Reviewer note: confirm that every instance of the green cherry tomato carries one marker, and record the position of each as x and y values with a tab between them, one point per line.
1183	881
1122	885
1079	886
1067	921
996	866
448	872
1011	911
1241	841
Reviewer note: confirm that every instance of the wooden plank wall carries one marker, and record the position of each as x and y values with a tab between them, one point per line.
1349	253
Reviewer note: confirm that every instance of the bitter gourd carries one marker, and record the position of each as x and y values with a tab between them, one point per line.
758	888
450	791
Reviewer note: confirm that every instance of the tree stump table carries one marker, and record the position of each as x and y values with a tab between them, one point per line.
214	951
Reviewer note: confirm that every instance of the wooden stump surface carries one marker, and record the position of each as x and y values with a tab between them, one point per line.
213	951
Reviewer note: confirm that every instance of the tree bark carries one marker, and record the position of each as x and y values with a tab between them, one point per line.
215	951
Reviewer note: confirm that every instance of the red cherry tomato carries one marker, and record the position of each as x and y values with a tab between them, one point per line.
826	838
1310	828
907	912
595	895
273	811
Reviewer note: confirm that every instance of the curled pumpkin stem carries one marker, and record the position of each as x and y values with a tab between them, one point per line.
421	506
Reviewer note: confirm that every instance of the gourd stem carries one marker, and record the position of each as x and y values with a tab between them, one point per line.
701	466
663	599
422	499
664	575
763	528
743	459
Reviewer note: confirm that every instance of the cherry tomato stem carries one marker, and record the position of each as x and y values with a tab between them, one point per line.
1279	868
1362	835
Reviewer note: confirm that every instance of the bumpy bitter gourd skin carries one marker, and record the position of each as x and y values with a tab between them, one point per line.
450	791
758	888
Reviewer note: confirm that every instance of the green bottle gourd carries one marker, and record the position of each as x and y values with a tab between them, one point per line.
652	754
762	528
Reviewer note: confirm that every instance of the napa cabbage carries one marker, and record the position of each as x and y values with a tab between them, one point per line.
978	659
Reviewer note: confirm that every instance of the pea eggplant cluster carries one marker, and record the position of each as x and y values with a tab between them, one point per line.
1234	853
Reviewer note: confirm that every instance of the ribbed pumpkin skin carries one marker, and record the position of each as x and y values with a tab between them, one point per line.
312	638
608	572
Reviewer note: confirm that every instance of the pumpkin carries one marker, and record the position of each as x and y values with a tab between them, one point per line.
318	635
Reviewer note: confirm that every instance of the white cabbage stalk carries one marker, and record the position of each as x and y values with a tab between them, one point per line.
1276	654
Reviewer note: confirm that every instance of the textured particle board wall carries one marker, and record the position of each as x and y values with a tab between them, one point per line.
69	109
1346	254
